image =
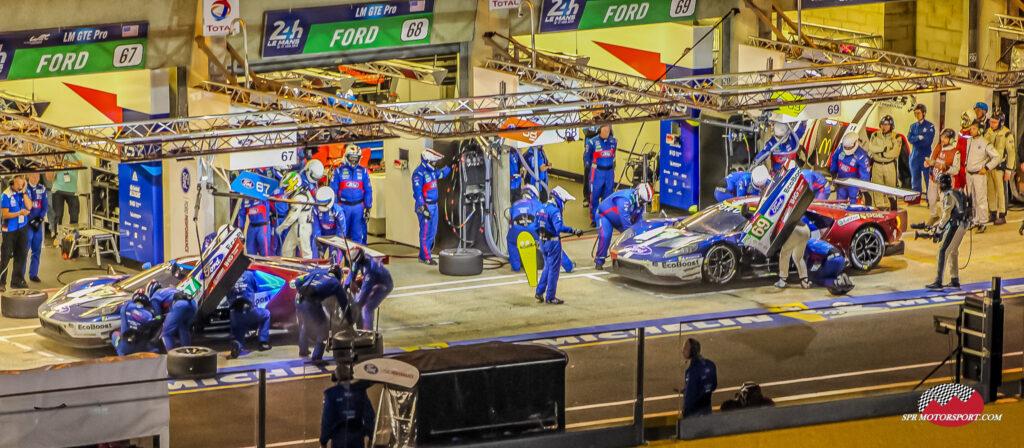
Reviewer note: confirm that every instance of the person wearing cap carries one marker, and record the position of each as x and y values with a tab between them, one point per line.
850	161
330	216
945	159
883	147
782	146
354	194
550	229
599	160
981	157
1002	140
424	192
981	116
921	137
375	287
618	212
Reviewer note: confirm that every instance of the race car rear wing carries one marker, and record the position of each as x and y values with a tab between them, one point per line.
344	245
906	195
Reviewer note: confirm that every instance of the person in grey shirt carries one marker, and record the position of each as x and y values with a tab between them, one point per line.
65	191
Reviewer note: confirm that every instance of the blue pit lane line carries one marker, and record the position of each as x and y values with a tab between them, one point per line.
796	313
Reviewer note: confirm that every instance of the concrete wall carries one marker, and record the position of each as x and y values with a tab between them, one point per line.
868	18
900	27
941	30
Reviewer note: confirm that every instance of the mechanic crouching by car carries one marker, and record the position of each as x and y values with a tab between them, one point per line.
139	327
618	212
178	311
246	316
825	264
956	219
313	289
376	284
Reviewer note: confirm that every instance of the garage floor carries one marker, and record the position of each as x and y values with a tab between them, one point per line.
428	309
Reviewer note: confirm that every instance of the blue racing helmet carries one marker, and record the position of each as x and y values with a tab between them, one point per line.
981	105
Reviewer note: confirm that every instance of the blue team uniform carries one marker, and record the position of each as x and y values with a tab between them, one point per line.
245	315
178	317
700	381
259	238
331	222
319	286
618	212
40	205
599	161
824	262
137	330
819	185
737	184
786	151
921	137
377	284
550	227
535	157
351	184
846	167
347	416
424	192
523	215
515	177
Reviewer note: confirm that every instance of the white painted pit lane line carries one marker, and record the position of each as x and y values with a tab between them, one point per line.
489	285
474	280
30	349
27	327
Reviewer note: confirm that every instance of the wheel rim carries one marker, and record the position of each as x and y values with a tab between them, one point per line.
867	248
721	264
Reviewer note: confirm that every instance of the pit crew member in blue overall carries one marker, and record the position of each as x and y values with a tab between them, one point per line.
313	289
178	311
515	174
735	185
377	284
36	217
329	216
351	183
782	146
921	137
818	183
550	228
826	264
246	316
139	325
618	212
523	218
599	161
348	416
424	192
537	162
850	161
259	237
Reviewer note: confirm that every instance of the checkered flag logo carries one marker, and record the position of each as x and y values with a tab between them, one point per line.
942	393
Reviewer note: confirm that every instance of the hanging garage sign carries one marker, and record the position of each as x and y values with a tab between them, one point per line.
347	27
572	15
72	51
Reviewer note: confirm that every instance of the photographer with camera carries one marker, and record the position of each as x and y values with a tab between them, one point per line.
955	220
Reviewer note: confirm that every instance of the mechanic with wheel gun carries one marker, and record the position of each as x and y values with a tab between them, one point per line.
523	218
424	192
618	212
550	229
178	311
950	230
313	289
851	162
376	284
139	327
246	316
351	182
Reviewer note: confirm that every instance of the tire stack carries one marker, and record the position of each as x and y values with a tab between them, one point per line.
22	303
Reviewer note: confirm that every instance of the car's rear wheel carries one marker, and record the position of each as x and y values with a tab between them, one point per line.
866	248
720	265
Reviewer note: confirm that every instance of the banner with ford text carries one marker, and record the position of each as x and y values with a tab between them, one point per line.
572	15
347	27
73	50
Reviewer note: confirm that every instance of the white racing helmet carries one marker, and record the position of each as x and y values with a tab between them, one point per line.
759	177
353	154
780	130
325	197
644	193
850	141
314	170
430	157
562	195
531	191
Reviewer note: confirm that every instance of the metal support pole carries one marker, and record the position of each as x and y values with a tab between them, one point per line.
638	406
261	414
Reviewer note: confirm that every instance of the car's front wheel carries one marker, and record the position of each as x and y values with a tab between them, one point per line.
866	248
720	265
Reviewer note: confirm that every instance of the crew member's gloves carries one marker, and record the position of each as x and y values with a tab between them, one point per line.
578	232
366	213
424	211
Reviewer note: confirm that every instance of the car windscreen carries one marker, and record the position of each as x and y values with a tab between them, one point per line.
162	273
715	220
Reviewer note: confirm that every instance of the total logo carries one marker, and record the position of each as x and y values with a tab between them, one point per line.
220	9
218	16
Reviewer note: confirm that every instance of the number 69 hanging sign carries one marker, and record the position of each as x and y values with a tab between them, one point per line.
347	27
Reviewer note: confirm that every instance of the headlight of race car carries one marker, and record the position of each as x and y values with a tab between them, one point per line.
684	250
629	233
104	310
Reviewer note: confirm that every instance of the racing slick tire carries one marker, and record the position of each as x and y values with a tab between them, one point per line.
720	264
22	303
461	262
191	362
866	248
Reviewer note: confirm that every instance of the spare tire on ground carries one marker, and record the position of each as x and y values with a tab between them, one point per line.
191	362
22	303
461	262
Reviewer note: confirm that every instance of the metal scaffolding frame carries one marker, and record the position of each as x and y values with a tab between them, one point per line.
830	53
1010	25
